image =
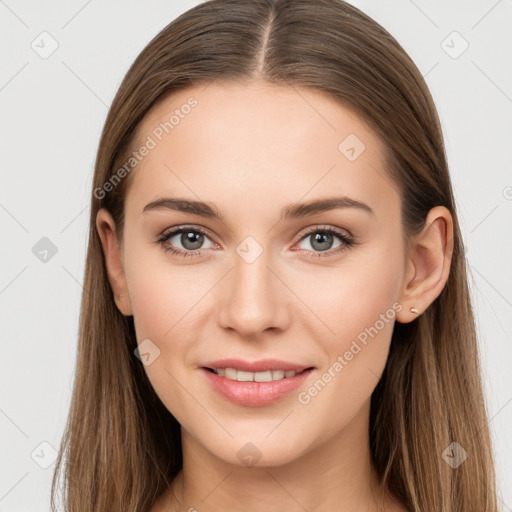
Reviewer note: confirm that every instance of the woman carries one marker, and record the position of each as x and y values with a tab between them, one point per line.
276	312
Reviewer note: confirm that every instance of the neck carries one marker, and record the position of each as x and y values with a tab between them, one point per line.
335	475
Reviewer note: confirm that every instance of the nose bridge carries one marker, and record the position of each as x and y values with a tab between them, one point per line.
253	298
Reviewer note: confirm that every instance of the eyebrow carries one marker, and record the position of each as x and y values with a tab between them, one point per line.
293	211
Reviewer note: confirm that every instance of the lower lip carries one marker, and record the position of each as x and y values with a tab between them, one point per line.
255	394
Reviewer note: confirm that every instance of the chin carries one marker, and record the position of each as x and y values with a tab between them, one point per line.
251	451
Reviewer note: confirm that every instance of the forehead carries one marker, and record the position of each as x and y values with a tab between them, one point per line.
281	142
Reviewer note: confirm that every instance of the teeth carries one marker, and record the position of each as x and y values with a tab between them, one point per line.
241	376
244	376
230	373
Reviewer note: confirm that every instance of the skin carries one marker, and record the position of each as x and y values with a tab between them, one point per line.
251	150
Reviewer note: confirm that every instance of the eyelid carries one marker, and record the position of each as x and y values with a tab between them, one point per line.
326	227
191	227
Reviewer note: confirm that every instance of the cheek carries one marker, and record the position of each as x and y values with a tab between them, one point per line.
353	296
359	308
163	294
345	385
165	298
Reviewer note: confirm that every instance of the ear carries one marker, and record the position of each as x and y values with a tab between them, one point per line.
113	261
427	264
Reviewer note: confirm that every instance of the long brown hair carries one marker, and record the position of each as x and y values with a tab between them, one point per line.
121	446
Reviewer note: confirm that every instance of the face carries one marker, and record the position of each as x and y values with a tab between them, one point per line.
313	288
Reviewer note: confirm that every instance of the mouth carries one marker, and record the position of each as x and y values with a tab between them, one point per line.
263	376
255	384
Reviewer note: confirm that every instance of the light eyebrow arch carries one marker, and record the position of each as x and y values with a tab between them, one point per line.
293	211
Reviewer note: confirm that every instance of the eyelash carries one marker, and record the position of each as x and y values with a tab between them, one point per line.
347	241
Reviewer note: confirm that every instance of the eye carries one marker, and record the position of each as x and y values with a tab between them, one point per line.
191	239
322	238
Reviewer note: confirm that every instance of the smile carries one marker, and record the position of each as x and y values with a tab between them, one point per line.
244	376
257	383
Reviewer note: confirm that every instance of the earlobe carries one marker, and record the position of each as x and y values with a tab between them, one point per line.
112	253
428	264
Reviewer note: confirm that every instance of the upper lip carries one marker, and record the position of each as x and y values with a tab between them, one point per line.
256	366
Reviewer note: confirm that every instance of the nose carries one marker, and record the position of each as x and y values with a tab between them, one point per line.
253	299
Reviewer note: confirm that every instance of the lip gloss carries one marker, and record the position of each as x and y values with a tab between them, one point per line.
255	394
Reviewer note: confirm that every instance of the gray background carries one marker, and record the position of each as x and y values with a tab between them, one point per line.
52	111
